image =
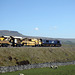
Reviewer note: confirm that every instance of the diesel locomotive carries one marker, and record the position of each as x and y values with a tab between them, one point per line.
51	43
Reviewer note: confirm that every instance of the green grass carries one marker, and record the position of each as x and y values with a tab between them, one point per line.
37	54
62	70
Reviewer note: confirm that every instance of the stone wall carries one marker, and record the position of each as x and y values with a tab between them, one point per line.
4	69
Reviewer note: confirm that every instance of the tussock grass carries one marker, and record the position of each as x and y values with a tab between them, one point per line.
36	54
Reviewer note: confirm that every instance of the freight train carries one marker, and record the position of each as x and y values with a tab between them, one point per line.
14	41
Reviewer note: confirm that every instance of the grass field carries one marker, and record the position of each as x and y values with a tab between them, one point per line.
36	54
62	70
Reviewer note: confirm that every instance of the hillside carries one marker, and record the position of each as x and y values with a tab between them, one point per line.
10	56
10	33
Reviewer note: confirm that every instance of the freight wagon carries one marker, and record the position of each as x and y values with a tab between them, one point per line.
31	42
4	42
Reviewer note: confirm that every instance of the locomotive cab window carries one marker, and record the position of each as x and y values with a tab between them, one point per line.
47	41
58	41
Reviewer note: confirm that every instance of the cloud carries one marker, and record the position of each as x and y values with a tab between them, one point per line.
53	28
36	28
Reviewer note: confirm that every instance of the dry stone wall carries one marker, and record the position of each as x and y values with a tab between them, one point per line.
4	69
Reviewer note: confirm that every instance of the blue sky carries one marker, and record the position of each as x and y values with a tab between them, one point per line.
46	18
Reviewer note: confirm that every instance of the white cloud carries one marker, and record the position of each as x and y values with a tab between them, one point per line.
53	28
36	28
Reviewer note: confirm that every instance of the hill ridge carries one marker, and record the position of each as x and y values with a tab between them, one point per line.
10	33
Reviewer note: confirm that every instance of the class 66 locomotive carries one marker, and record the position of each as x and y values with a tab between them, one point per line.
15	41
51	43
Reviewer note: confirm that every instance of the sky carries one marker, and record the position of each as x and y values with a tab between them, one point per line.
46	18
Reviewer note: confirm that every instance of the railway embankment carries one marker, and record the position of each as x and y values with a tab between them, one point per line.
31	55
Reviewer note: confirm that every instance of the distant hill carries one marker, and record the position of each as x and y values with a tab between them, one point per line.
67	41
10	33
15	33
